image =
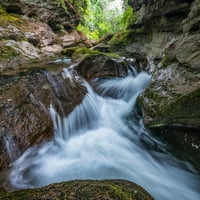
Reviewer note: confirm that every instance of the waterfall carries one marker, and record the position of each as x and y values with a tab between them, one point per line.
103	138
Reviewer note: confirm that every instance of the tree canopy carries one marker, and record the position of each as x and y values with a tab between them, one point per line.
101	17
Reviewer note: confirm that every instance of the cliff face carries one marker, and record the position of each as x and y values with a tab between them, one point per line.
57	15
31	30
170	40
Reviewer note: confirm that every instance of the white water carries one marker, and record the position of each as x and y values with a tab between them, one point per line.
100	140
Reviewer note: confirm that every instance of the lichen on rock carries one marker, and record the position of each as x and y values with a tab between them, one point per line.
83	190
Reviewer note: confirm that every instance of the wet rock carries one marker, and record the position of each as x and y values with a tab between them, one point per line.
95	64
76	190
25	97
166	34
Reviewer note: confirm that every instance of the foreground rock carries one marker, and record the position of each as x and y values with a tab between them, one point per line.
166	35
77	190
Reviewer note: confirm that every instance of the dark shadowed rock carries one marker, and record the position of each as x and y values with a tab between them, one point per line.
100	66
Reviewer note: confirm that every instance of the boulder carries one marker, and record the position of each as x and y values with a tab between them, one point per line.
25	98
76	190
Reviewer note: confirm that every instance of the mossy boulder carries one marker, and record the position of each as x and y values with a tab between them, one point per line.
172	98
83	190
184	111
96	64
83	52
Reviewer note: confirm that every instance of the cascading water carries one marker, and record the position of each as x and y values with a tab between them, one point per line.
103	138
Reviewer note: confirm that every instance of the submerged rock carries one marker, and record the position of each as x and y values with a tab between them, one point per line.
77	190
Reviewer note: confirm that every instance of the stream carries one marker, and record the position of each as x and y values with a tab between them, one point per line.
104	138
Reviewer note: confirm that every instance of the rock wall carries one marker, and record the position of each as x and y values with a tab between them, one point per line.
31	31
36	29
167	34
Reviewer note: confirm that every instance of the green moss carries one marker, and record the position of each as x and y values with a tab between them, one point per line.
83	52
2	11
186	106
121	38
7	52
181	111
7	19
165	62
83	190
69	51
112	55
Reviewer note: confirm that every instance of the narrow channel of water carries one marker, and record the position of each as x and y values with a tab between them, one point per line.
104	138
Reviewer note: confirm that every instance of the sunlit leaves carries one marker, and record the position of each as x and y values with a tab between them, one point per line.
101	17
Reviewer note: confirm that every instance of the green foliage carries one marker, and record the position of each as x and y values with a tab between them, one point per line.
121	38
98	19
62	2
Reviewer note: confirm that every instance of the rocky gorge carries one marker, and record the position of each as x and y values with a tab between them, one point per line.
164	41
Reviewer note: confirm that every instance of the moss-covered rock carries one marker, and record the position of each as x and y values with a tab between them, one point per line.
2	11
82	190
69	51
121	38
7	52
172	102
83	52
184	111
124	38
96	64
8	19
